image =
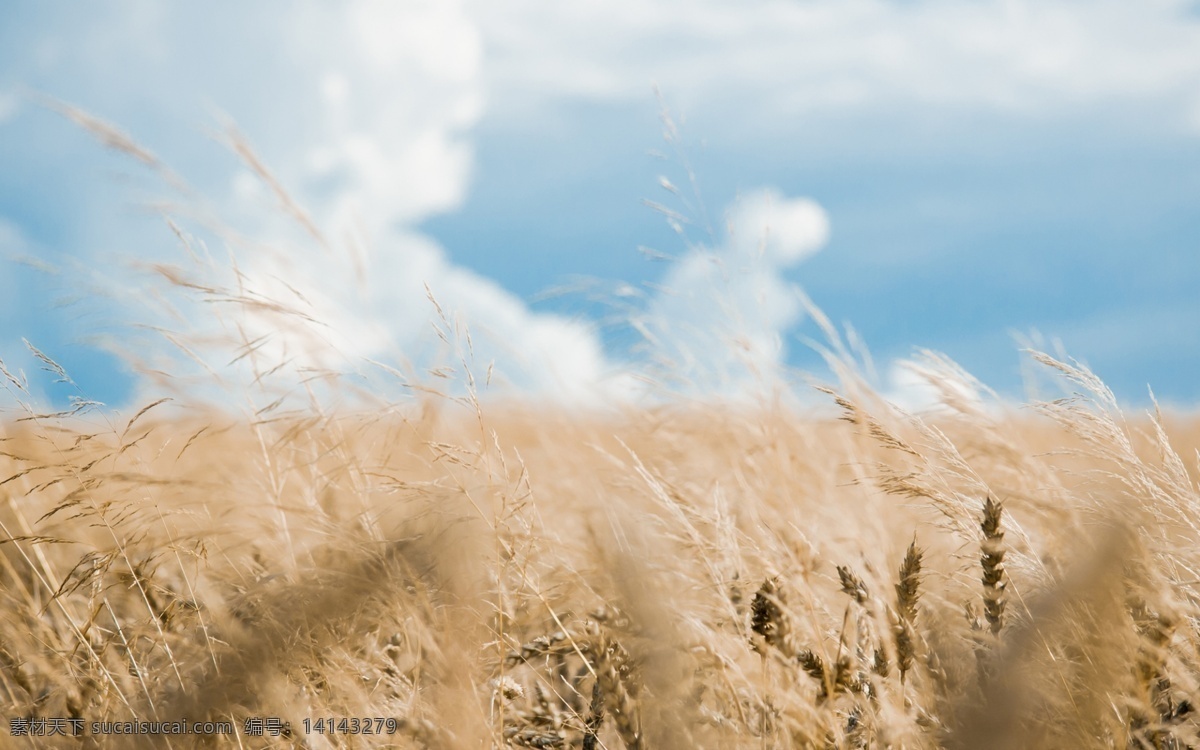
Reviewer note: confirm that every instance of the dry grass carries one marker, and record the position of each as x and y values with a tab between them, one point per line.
673	576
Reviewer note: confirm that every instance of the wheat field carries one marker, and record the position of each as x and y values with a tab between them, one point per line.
456	574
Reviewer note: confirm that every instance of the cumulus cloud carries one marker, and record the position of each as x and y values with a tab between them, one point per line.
782	231
413	311
363	111
399	91
722	313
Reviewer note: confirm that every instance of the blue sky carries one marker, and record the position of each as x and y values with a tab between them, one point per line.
980	169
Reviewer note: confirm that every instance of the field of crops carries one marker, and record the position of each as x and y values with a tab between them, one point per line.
451	572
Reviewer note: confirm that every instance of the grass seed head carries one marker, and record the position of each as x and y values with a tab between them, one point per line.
908	592
992	561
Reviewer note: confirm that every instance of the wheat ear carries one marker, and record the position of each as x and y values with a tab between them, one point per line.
992	560
770	619
908	591
617	698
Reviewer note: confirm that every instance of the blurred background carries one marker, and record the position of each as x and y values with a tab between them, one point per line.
965	177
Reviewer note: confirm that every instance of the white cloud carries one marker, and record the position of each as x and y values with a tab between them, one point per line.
777	58
365	105
379	124
722	313
326	318
783	231
364	111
